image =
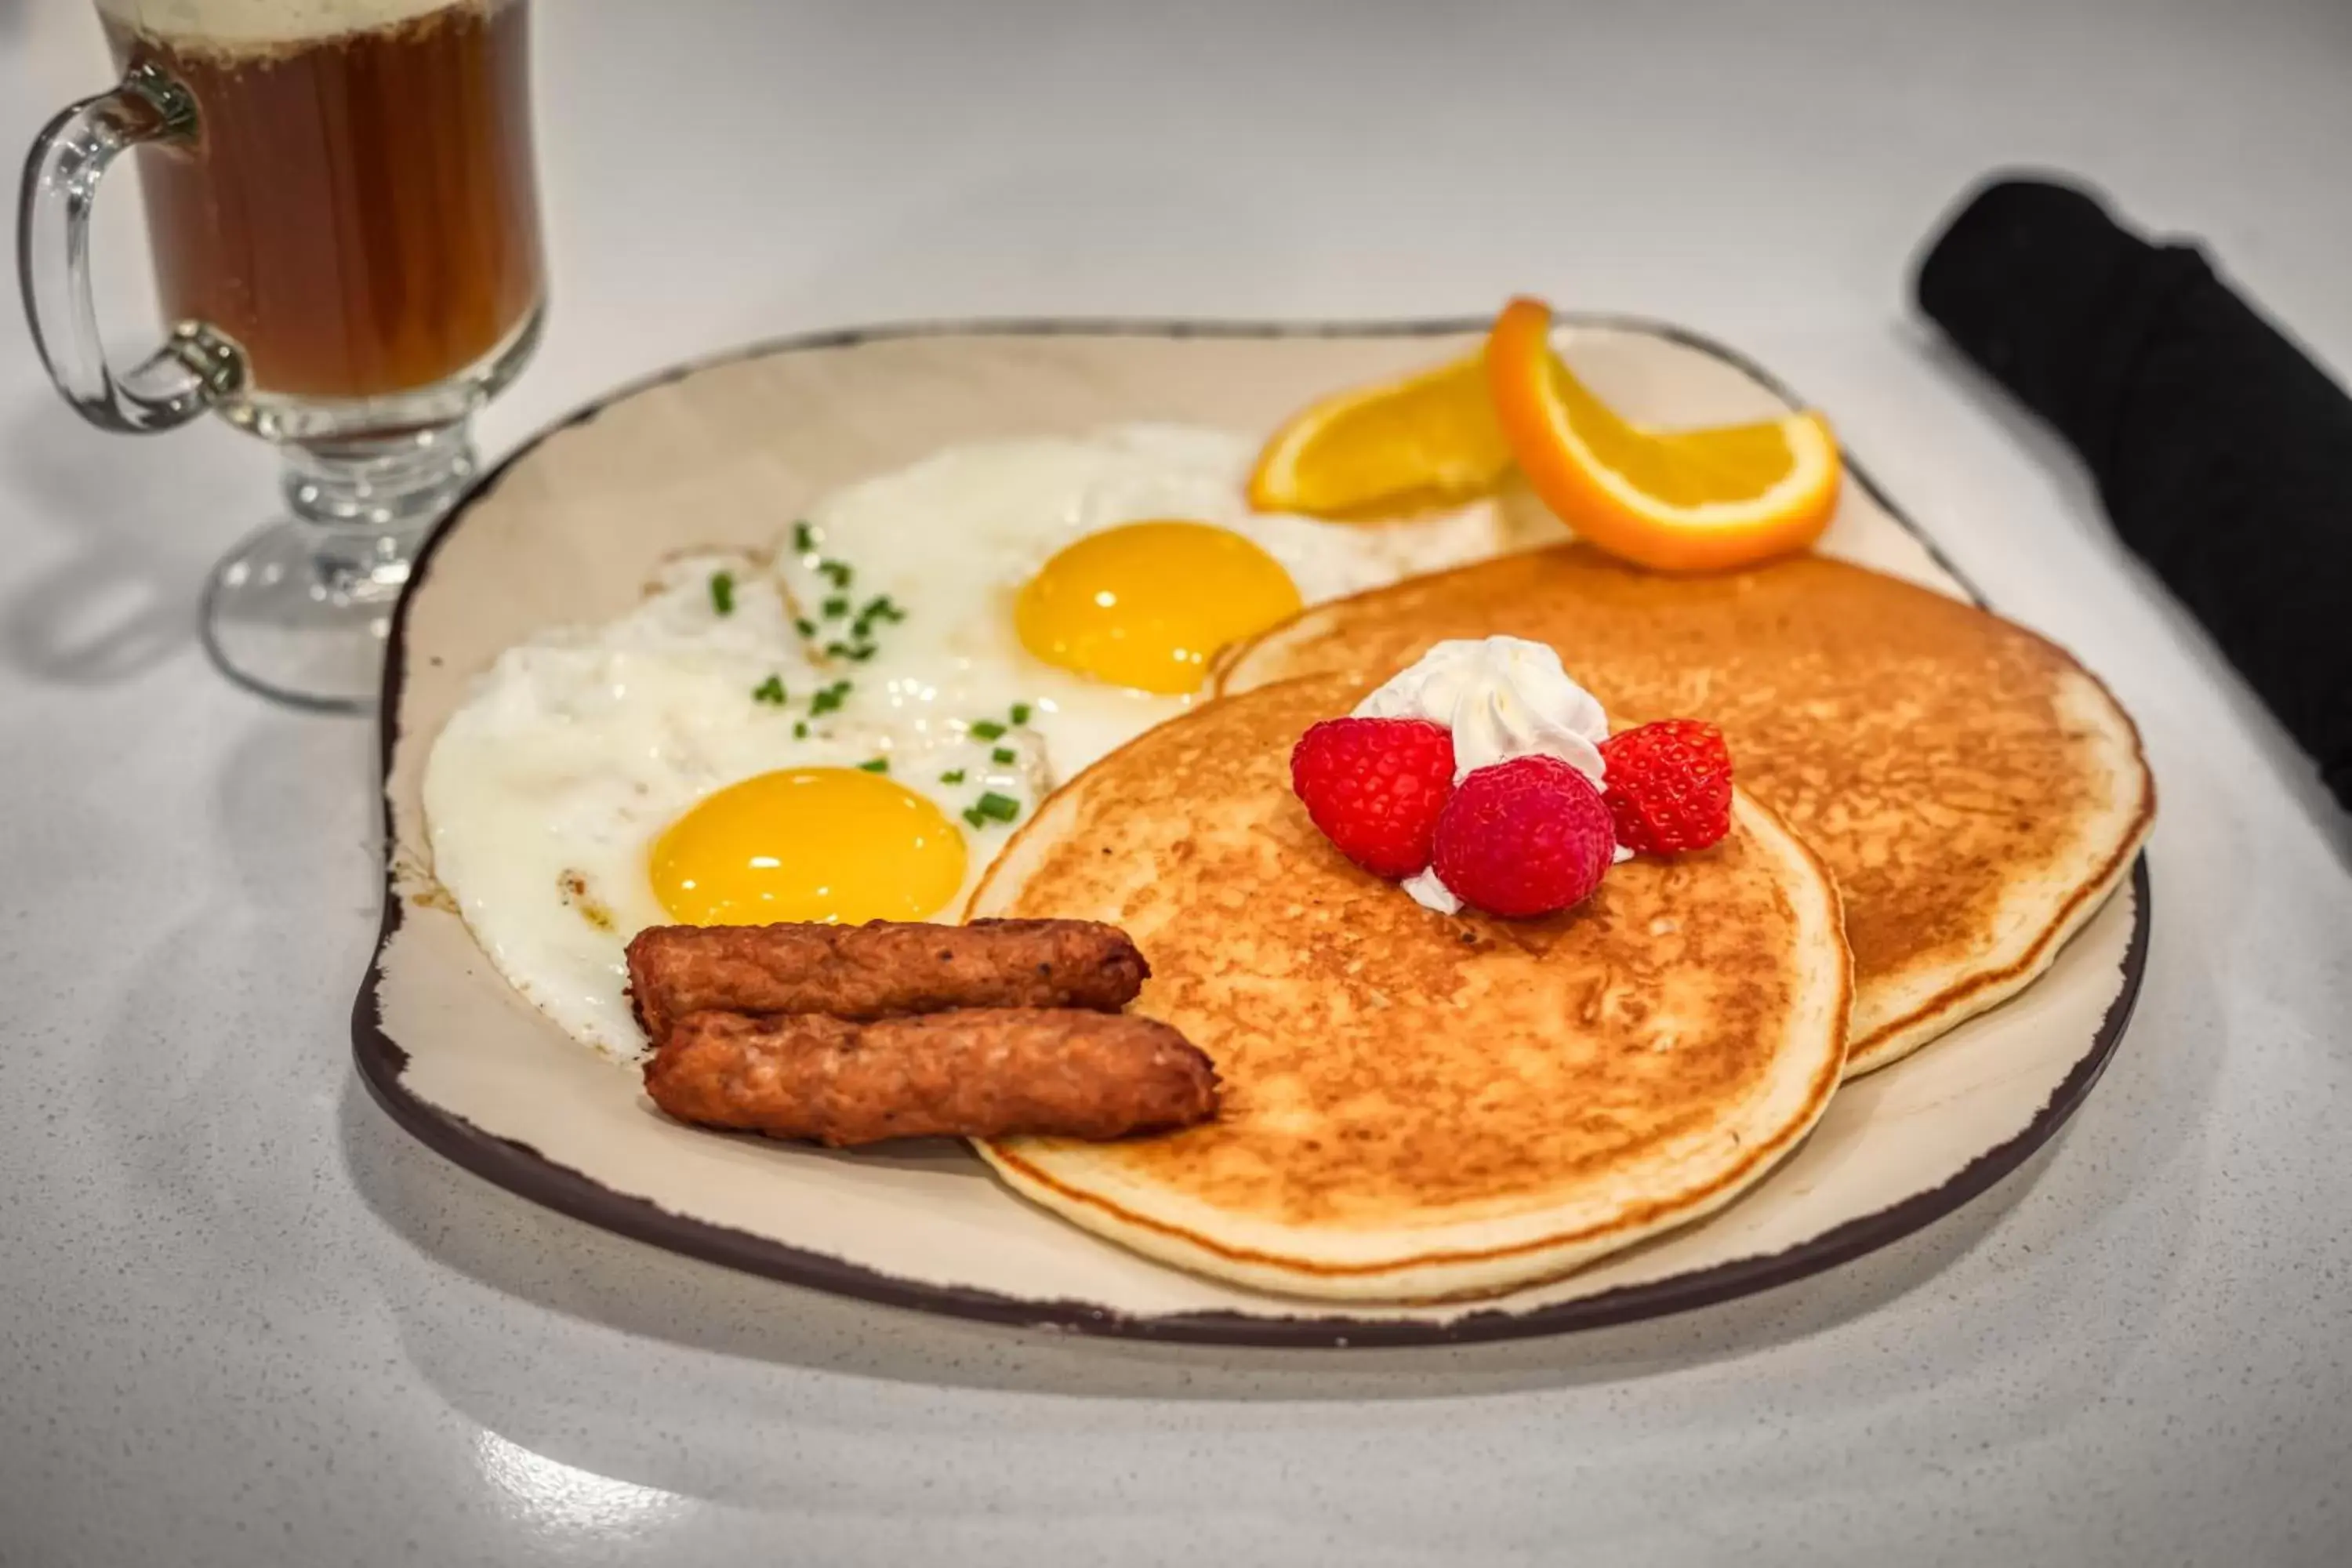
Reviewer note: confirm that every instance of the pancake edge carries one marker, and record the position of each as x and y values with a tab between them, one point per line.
1981	992
1472	1273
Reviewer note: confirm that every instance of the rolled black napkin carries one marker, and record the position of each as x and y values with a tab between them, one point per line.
2223	455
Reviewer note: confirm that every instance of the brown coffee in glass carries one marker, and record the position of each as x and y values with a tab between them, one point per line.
344	221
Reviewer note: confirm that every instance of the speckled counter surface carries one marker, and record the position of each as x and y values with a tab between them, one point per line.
243	1320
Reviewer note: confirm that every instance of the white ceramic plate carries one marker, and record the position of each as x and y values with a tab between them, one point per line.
727	453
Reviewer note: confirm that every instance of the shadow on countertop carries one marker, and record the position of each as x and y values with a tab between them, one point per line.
510	1246
124	598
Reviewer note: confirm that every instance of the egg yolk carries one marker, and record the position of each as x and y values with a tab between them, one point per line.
836	845
1146	604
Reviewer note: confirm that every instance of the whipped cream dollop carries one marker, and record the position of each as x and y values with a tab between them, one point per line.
1501	697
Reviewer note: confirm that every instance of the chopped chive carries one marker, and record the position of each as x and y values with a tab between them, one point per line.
800	730
805	626
836	572
1021	713
835	607
828	698
1003	755
771	692
836	649
881	608
803	538
971	815
878	766
987	728
953	775
997	807
862	652
722	592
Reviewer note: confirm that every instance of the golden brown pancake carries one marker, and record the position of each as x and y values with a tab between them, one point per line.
1419	1106
1977	793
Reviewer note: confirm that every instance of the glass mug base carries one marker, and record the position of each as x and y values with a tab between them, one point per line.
278	621
301	610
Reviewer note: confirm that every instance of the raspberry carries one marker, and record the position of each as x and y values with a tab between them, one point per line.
1375	786
1524	837
1668	786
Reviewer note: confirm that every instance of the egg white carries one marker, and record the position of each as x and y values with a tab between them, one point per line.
545	792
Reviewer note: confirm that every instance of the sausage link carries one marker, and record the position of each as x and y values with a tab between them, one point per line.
880	970
976	1073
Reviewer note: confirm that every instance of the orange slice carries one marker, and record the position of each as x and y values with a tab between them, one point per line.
1684	501
1425	441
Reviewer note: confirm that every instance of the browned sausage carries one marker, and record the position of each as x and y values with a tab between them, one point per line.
975	1073
880	970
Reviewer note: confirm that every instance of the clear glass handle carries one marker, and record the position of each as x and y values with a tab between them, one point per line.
196	366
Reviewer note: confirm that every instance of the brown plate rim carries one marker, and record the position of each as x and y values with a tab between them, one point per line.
524	1171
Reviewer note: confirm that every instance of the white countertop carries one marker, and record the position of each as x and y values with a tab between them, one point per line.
244	1318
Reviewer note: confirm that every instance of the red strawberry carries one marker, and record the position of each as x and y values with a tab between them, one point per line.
1525	837
1668	786
1375	786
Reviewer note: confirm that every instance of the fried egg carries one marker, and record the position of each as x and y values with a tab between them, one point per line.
1086	581
682	764
848	731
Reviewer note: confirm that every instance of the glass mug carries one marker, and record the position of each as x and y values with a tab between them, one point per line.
344	221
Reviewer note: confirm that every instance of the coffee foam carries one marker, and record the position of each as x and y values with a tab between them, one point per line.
248	23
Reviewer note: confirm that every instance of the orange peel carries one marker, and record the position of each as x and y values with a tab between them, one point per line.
1685	500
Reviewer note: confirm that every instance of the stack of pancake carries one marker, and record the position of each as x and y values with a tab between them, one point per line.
1419	1106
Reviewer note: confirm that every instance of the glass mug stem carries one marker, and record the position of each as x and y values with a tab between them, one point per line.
196	366
343	216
